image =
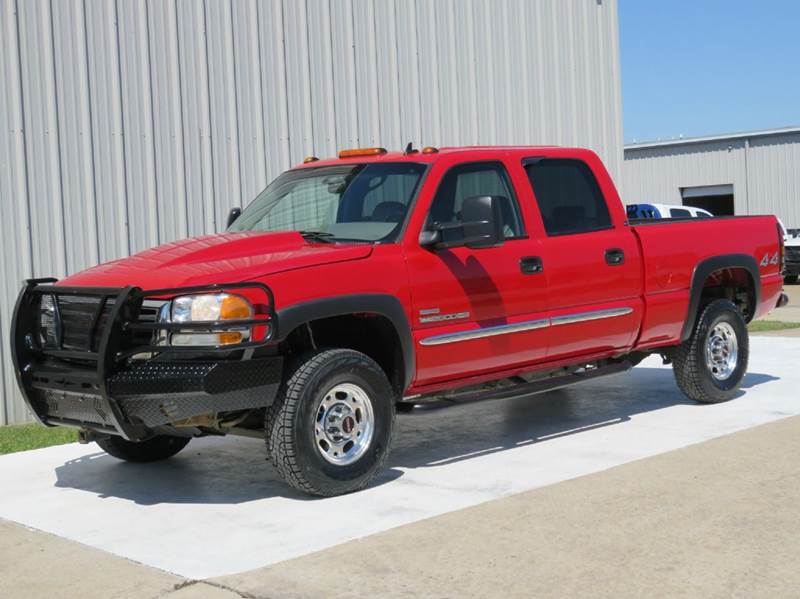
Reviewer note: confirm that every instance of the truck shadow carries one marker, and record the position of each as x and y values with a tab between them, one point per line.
234	470
448	432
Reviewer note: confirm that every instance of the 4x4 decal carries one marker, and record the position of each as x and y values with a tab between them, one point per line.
766	260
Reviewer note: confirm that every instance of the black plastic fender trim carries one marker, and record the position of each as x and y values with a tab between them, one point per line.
703	270
291	317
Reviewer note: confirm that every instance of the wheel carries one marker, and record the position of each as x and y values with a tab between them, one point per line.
154	449
710	365
329	430
790	279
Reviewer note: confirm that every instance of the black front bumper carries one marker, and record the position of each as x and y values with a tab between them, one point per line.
100	387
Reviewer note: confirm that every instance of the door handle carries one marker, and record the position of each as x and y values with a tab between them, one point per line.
615	257
531	265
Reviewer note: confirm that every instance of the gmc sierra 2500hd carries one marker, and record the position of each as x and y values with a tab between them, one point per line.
354	286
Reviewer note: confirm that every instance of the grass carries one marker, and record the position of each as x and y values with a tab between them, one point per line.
760	326
21	437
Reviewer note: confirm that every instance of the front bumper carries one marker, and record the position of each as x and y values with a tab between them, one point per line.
101	388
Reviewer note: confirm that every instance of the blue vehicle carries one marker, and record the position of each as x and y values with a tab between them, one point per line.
648	211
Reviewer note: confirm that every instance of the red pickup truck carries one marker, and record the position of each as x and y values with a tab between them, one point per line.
356	286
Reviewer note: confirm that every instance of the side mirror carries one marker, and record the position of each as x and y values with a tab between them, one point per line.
233	215
482	226
482	221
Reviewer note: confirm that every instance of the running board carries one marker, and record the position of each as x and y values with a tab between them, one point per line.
542	385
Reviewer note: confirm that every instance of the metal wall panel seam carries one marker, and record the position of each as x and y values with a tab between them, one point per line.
210	221
236	118
57	143
179	85
122	132
91	132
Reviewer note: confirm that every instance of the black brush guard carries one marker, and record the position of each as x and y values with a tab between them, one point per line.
104	390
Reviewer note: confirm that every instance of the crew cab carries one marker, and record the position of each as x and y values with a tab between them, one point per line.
356	286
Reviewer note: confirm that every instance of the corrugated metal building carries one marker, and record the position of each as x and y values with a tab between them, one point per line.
744	173
131	123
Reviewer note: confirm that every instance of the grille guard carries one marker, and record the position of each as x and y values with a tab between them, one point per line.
114	344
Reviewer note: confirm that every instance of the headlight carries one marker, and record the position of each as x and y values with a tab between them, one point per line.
208	308
47	321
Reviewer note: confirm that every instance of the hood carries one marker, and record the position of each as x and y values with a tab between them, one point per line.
224	258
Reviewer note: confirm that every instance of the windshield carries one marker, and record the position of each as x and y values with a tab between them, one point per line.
361	202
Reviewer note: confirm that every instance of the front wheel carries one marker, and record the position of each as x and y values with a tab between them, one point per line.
154	449
330	428
709	367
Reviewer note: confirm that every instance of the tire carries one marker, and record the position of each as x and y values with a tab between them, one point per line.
720	380
790	279
154	449
327	381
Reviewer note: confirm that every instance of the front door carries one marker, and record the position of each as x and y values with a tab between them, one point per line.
476	310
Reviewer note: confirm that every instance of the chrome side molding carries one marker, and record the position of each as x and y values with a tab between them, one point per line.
528	325
502	329
591	315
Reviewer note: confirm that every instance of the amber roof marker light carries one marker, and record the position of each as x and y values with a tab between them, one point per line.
308	159
356	152
430	150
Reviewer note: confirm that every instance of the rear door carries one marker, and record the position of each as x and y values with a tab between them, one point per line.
475	310
591	259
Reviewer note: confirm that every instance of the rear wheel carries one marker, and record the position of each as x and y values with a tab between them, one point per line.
154	449
709	367
330	428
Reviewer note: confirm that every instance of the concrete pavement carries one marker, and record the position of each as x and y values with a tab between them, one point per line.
716	519
218	508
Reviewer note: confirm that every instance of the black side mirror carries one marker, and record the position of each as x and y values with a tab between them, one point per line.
482	221
482	224
233	215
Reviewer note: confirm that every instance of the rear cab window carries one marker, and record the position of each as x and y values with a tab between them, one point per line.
569	198
679	213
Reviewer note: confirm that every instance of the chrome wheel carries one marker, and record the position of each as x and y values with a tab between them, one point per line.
345	424
722	351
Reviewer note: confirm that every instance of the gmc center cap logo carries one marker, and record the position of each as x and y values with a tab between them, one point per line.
348	424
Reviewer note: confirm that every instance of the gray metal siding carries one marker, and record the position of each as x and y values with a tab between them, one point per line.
131	123
763	170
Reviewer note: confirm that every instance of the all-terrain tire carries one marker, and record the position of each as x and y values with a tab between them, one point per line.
154	449
692	372
291	420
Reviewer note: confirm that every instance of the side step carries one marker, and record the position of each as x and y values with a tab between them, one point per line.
522	389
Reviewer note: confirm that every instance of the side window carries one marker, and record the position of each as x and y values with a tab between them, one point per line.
569	198
475	179
679	213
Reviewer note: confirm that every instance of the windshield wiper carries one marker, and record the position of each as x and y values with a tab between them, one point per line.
320	236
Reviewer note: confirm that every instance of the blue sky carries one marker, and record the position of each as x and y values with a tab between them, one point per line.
700	67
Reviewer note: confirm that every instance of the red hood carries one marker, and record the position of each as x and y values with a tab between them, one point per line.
225	258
